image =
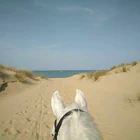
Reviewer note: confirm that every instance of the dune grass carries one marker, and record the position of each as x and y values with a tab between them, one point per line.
26	73
121	65
82	75
96	75
21	74
99	74
113	67
11	68
1	66
43	76
134	63
124	69
20	77
90	75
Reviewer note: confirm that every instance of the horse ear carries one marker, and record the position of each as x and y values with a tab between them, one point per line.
57	104
80	99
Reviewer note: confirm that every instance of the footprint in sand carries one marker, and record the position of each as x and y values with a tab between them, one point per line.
11	131
12	121
46	125
2	123
23	112
37	106
45	106
18	113
30	119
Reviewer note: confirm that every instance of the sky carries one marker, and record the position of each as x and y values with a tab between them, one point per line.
69	34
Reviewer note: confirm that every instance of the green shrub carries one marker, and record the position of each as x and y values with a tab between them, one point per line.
134	63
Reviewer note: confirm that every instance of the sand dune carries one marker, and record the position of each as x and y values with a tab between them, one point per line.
25	109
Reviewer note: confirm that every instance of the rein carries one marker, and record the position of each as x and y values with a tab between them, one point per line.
57	126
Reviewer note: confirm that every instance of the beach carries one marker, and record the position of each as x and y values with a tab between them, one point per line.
113	101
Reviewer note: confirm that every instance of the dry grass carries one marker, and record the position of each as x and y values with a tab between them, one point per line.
1	66
19	74
99	74
112	68
96	75
20	77
121	65
26	73
11	68
43	76
82	75
90	75
134	63
124	69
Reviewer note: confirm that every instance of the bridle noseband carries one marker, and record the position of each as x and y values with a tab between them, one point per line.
57	126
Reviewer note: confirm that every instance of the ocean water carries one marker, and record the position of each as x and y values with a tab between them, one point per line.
61	73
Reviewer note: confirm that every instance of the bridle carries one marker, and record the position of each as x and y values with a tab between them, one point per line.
57	126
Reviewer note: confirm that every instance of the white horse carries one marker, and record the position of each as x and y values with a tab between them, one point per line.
73	121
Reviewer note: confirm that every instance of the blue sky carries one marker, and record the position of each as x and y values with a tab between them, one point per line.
69	34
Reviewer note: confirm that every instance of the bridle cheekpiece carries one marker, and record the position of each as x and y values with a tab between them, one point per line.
57	126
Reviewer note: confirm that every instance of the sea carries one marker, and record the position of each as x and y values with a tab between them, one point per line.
60	73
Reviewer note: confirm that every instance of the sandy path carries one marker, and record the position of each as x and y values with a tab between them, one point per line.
28	115
25	115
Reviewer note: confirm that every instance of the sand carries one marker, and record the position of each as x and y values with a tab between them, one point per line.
25	109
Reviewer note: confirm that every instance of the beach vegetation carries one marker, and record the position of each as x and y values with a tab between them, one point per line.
1	66
124	69
20	77
113	67
90	75
99	74
11	68
43	76
134	63
82	75
26	73
96	75
121	65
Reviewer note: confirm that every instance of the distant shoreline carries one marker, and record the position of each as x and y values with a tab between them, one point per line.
60	73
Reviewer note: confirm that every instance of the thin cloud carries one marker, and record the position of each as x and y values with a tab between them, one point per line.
66	9
75	9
